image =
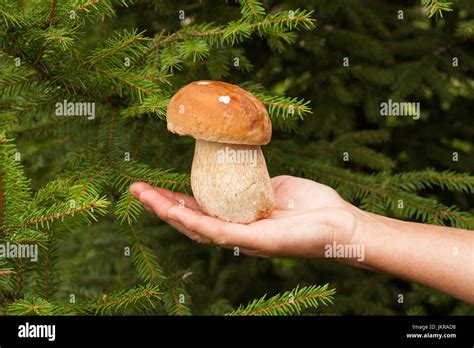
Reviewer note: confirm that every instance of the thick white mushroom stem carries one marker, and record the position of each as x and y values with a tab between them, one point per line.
231	182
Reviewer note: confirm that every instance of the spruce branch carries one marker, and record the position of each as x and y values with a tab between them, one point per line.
19	277
7	118
219	63
284	111
52	13
359	154
139	140
236	31
288	303
60	37
47	281
128	208
436	7
465	29
36	306
428	210
87	4
277	39
73	186
15	185
123	45
6	283
91	186
251	9
6	272
14	80
93	8
143	258
176	300
139	85
11	14
428	178
126	175
170	59
110	127
44	217
141	297
7	275
369	137
367	157
2	208
293	19
155	104
195	50
47	275
27	236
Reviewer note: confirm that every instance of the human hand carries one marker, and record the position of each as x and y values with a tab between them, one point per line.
307	216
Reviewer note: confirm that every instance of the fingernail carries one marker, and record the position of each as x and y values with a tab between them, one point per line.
132	191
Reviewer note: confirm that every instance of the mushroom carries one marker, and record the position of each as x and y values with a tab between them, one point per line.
229	176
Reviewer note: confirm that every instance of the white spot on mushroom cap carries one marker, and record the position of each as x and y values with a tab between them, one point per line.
203	83
224	99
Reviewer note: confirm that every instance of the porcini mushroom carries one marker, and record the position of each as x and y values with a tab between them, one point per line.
229	176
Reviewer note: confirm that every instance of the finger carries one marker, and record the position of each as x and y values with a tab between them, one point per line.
181	198
157	202
254	252
160	205
148	208
220	232
188	233
283	200
138	187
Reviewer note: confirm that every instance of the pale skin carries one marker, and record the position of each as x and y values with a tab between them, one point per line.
308	216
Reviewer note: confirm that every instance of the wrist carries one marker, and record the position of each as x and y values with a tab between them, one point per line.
365	226
349	233
375	235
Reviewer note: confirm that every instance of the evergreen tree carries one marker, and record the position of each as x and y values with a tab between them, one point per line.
129	78
64	180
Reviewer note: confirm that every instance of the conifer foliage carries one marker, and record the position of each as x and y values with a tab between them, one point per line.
46	64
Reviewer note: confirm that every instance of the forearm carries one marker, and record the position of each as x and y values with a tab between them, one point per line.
440	257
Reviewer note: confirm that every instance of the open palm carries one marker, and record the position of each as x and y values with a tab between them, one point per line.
307	216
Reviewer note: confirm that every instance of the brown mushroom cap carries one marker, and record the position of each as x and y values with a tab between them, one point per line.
219	111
